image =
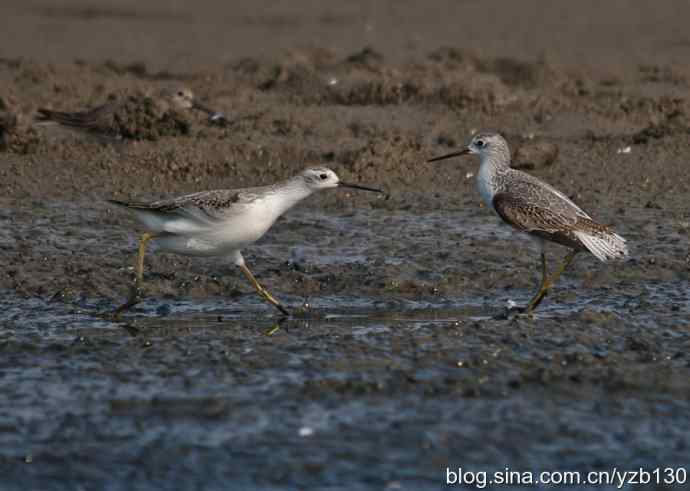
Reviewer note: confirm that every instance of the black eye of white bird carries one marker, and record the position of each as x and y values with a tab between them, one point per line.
324	176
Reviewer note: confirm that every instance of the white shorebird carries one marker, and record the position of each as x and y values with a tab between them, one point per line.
534	207
223	222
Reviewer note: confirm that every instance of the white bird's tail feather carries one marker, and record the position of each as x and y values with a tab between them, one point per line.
605	246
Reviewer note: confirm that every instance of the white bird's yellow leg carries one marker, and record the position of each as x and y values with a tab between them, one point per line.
135	293
261	290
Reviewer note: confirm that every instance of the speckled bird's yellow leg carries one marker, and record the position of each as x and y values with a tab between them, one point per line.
541	290
262	291
135	293
550	281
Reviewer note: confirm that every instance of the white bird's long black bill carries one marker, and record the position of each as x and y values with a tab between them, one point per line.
464	151
357	186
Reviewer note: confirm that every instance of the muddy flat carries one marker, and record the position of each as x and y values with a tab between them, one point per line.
403	361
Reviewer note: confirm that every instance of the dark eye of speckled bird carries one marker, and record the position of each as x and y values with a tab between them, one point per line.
479	143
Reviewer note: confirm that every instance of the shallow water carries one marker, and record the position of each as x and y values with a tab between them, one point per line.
211	393
402	358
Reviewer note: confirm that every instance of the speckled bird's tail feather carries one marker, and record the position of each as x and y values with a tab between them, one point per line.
604	245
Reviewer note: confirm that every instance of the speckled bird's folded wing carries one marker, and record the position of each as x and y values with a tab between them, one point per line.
530	217
91	119
567	225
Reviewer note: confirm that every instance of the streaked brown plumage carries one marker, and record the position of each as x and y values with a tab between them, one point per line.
545	223
99	120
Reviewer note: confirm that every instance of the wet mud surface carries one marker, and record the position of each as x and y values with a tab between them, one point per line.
403	361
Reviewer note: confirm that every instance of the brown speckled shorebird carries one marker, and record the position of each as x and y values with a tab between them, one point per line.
105	121
534	207
223	222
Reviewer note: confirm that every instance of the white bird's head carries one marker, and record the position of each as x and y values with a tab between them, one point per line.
324	178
